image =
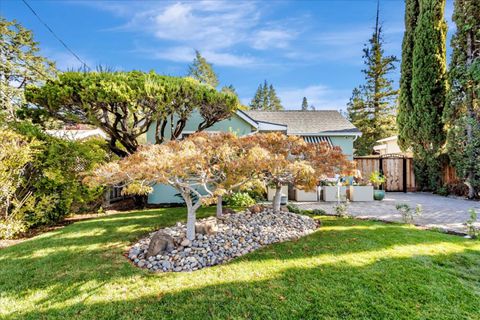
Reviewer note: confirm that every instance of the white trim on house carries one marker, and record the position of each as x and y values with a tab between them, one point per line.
392	138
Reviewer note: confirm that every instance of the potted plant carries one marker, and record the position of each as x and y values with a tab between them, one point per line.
333	190
377	179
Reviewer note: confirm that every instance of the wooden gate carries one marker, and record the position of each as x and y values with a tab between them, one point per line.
397	169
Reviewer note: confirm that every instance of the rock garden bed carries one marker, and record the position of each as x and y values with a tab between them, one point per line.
217	240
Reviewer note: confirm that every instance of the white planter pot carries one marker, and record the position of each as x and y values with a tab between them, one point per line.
271	192
361	193
330	193
306	196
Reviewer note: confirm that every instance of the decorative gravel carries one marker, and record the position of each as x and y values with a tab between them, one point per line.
238	234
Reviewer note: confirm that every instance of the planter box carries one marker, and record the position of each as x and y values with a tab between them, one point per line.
361	193
271	192
330	193
306	196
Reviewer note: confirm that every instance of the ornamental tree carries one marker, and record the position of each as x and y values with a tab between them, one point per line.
198	167
290	160
126	104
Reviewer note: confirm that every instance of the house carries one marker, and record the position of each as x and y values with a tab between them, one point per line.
389	146
313	126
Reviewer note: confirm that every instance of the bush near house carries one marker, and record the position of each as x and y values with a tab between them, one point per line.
41	178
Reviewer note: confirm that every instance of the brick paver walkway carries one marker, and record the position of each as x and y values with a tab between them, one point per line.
449	214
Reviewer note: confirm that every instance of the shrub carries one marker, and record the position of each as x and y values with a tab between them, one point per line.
341	210
472	230
408	213
40	177
240	199
443	191
295	209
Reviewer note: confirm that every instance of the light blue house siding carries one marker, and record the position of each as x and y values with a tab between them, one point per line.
163	194
167	194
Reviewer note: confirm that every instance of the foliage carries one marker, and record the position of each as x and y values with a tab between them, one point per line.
420	127
372	105
462	110
205	165
406	128
341	210
408	213
313	212
20	66
293	161
472	230
126	104
202	71
41	176
377	179
240	199
266	99
230	89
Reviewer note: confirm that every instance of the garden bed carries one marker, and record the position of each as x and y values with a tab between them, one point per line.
237	235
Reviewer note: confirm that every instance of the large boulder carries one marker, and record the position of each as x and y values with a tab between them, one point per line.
160	243
207	227
257	208
228	211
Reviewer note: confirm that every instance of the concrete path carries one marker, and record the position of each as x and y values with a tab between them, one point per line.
448	214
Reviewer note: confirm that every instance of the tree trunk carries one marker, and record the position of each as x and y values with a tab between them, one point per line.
277	198
219	206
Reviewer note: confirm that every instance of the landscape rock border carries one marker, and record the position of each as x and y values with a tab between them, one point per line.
234	235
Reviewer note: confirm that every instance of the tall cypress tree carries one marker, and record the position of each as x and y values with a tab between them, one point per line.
429	88
406	129
274	101
462	110
372	106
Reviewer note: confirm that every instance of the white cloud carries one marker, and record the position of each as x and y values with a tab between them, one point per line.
272	38
186	54
321	96
66	61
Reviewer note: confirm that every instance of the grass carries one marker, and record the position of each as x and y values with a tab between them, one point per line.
348	269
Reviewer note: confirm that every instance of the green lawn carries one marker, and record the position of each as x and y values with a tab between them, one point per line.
347	269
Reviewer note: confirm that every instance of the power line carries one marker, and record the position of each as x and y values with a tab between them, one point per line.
55	35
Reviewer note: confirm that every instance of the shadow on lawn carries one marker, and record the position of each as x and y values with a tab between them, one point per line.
383	290
86	256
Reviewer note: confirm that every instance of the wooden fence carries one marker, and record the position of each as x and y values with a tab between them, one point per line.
398	169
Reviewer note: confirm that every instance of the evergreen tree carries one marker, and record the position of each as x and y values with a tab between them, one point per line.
429	88
266	98
406	129
372	106
203	71
304	104
274	101
230	89
20	65
462	110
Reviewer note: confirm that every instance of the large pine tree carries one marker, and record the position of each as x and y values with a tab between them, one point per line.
372	106
202	70
304	104
462	110
429	88
266	98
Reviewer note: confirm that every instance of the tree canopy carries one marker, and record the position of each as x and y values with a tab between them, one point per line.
20	65
202	70
304	104
126	104
372	105
266	98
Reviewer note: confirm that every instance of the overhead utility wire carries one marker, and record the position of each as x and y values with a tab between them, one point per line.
55	35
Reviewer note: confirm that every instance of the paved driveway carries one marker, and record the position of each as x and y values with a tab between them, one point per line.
445	213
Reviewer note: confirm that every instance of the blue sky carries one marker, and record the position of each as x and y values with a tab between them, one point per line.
304	48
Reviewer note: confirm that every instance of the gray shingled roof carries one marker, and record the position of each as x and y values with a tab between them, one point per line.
298	121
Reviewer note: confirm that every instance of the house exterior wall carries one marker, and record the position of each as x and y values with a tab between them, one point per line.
345	143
